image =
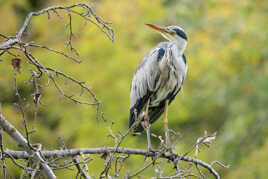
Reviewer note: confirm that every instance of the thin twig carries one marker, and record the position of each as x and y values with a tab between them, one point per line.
80	168
55	51
140	170
20	105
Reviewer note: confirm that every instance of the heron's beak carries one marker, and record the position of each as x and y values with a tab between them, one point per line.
163	31
158	28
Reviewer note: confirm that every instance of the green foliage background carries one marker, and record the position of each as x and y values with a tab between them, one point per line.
226	89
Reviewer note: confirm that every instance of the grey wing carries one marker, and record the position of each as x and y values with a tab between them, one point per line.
145	81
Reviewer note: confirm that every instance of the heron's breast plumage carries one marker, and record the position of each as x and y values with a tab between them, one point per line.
173	69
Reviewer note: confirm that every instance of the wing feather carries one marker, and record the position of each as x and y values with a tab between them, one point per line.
145	81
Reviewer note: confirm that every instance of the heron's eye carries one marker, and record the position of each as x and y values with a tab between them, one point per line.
172	32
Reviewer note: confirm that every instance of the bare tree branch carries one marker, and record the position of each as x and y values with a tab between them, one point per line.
16	42
80	168
106	29
2	156
130	151
16	135
140	170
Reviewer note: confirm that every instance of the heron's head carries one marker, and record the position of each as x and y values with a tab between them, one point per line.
172	33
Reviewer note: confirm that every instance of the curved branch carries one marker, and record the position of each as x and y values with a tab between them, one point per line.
102	25
101	150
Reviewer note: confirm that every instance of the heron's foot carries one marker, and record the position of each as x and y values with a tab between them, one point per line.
151	152
169	150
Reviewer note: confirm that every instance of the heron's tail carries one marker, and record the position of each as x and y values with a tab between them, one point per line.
154	114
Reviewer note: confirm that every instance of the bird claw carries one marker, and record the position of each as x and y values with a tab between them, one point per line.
172	155
151	152
170	150
154	154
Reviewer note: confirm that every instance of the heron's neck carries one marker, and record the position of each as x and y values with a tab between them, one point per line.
180	45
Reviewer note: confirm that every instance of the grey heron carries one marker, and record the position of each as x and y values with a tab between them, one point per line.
157	80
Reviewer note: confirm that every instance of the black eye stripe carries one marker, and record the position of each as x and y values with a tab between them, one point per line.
180	33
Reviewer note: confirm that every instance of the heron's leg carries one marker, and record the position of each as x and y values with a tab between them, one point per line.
166	125
147	127
149	139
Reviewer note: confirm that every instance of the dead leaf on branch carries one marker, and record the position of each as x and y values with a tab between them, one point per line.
16	63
